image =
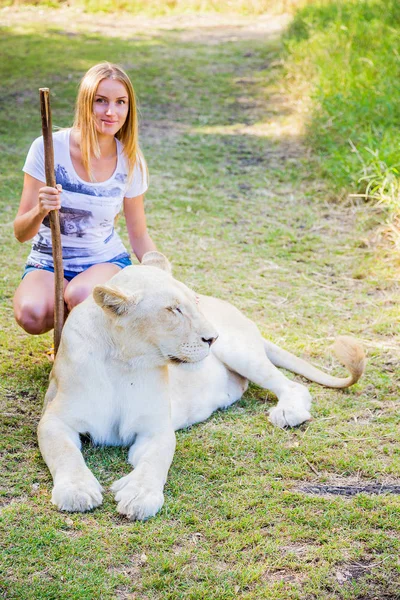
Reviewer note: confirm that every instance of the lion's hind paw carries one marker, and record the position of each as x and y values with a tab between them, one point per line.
288	416
77	496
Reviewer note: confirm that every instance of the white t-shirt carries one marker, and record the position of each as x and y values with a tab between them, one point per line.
87	209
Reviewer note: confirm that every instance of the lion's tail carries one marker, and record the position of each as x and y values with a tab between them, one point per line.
348	350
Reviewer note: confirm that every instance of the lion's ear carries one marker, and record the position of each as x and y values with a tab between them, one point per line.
156	259
114	301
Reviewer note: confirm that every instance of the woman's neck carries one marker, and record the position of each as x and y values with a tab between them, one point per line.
107	143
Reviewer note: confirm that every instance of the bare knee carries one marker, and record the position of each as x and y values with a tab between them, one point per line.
75	294
81	286
33	318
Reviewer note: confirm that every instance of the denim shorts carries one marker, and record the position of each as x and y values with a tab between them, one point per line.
120	261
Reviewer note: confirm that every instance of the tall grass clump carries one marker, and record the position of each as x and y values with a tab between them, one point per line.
349	52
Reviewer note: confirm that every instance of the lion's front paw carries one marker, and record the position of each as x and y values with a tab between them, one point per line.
288	416
136	500
77	496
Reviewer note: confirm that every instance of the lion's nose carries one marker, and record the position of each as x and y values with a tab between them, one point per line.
209	340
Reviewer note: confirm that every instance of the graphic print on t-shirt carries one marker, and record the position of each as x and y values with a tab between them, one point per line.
77	187
73	221
41	245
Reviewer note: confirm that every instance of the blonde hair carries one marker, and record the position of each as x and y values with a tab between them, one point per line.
84	117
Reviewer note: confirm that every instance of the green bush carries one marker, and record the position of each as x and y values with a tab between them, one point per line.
350	52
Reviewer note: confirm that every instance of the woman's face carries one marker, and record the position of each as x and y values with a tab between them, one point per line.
110	106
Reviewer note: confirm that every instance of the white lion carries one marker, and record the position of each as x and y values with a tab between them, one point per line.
121	376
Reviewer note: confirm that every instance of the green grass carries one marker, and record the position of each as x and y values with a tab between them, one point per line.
349	52
238	204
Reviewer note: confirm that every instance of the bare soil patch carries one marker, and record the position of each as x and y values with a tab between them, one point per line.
287	576
351	490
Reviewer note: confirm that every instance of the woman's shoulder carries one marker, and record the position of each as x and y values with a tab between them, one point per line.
60	135
140	161
120	150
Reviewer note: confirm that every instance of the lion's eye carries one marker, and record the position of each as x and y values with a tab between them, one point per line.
175	309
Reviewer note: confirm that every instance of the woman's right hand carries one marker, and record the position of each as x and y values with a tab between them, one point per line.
37	200
49	199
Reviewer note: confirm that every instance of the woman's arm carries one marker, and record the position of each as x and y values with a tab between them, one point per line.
37	200
135	217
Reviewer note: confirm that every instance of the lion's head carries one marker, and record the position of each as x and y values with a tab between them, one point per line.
154	316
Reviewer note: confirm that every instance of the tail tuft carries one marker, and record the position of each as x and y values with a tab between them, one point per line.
351	354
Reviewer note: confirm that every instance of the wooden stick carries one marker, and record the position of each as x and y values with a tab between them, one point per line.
54	217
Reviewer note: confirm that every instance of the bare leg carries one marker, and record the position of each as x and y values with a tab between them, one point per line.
75	487
34	302
34	298
140	494
79	288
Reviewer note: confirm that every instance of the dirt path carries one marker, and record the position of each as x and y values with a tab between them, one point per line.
206	28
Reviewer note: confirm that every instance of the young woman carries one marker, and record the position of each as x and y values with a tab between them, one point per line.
99	168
